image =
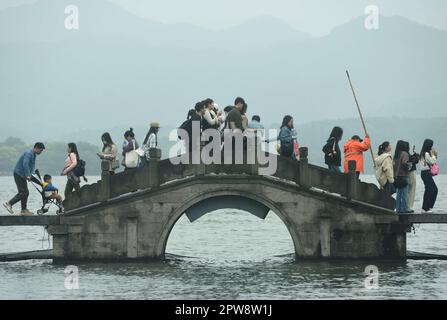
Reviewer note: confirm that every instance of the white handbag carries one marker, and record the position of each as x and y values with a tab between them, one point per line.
132	159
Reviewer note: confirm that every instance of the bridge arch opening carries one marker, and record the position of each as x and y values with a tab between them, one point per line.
229	227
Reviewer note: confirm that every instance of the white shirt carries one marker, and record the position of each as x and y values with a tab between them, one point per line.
211	117
151	143
428	161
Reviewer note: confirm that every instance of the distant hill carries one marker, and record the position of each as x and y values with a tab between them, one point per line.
43	22
122	70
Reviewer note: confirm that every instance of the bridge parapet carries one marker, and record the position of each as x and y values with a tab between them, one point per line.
160	172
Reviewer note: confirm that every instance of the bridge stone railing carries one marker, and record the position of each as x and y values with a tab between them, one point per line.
160	172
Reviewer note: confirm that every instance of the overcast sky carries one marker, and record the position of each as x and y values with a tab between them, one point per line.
316	17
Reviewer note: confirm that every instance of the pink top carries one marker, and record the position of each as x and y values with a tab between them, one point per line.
70	163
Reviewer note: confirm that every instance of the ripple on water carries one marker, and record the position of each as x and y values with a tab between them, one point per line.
225	255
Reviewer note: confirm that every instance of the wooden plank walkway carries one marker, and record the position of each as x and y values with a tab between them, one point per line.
16	220
423	218
29	255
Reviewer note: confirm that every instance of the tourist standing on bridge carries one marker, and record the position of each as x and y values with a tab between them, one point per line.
354	149
210	118
414	160
287	137
131	158
237	124
109	152
429	169
150	142
402	166
332	153
224	117
194	118
73	181
384	168
23	172
234	117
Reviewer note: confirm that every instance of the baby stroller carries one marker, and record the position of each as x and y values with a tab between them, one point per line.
36	180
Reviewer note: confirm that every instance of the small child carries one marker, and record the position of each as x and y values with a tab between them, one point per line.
50	190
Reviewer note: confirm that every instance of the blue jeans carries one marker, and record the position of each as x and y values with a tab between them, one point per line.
390	188
334	168
402	198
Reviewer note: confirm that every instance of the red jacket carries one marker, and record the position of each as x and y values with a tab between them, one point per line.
354	151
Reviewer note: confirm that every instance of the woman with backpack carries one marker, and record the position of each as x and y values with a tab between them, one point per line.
73	169
402	167
131	158
429	169
332	153
384	168
286	137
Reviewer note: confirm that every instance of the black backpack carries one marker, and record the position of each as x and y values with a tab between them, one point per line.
79	171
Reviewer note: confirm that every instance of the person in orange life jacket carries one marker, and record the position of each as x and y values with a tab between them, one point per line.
354	149
332	153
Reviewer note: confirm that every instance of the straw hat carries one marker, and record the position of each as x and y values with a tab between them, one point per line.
155	125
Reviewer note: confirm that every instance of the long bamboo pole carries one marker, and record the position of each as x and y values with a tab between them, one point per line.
361	115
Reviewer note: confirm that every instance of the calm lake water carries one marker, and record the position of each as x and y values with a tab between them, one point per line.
224	255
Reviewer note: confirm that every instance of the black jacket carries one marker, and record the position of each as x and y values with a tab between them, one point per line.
414	159
331	158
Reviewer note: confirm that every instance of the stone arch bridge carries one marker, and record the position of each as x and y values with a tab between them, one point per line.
130	215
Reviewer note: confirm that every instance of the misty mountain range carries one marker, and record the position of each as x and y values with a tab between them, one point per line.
119	70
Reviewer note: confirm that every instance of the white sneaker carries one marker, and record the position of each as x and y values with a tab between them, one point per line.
8	207
427	212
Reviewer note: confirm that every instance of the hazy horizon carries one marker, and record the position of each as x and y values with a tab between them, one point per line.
122	68
315	17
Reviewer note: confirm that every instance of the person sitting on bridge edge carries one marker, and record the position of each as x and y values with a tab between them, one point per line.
354	149
22	174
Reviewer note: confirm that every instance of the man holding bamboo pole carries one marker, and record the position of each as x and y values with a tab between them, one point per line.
355	147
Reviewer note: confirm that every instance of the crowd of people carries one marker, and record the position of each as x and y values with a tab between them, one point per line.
395	173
